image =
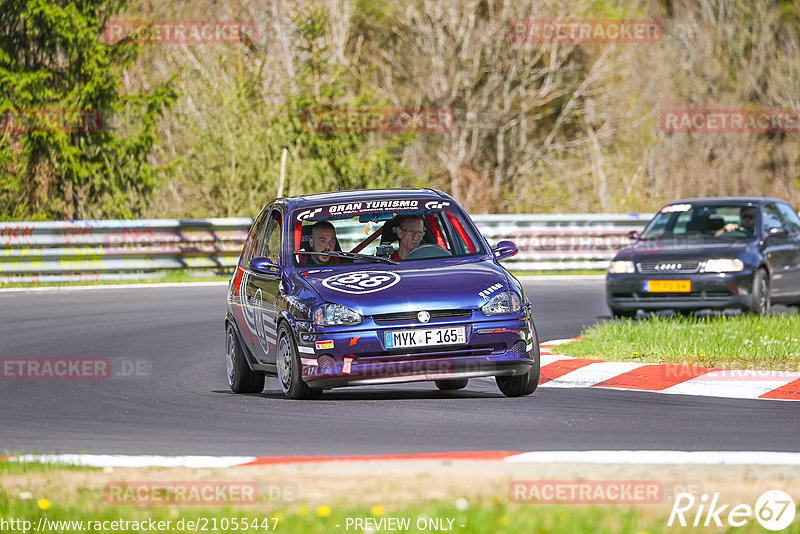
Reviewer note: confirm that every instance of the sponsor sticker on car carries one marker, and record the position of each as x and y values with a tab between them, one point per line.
429	337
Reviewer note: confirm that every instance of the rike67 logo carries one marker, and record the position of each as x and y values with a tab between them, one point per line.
774	510
361	282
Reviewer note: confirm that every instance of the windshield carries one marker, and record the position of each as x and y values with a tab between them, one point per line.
382	232
679	221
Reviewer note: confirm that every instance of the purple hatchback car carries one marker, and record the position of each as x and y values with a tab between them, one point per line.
375	287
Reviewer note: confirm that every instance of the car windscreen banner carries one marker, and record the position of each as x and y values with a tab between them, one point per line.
349	209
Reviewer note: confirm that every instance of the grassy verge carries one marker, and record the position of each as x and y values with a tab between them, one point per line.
461	516
18	468
52	494
737	342
178	276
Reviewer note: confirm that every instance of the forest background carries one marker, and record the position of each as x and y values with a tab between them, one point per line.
199	130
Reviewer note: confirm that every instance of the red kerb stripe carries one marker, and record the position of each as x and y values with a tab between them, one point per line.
790	391
654	377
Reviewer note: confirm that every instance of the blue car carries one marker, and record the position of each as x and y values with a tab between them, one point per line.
715	253
375	287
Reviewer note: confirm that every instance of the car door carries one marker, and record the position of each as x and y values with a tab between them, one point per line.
263	291
778	249
792	221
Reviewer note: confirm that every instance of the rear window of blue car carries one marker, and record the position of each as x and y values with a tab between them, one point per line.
370	229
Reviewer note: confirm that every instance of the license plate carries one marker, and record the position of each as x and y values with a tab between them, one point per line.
401	339
667	286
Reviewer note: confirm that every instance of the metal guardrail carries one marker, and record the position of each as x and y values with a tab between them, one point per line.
134	249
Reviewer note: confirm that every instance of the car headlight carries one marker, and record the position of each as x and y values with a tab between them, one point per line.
724	265
335	314
621	267
505	302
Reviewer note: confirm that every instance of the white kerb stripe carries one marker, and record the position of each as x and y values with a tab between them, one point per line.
547	359
658	457
725	386
592	374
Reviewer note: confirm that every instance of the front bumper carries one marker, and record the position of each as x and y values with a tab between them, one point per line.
624	292
348	356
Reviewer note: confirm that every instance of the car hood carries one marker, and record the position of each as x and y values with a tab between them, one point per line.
676	250
377	289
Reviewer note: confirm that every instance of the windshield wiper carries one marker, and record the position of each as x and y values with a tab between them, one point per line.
351	255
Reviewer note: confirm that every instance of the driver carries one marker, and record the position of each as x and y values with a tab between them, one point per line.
747	223
410	231
323	239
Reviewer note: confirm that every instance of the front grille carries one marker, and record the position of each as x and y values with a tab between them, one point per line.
455	350
412	315
694	296
326	362
668	266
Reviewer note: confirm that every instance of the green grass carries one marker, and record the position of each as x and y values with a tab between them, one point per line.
17	468
177	276
483	517
734	342
483	514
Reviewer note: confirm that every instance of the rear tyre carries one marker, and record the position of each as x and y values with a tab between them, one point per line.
761	298
517	386
289	369
241	378
452	384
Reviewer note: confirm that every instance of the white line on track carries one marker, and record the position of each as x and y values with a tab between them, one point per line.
659	457
654	457
560	277
112	286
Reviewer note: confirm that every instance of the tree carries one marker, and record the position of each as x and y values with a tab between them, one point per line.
65	153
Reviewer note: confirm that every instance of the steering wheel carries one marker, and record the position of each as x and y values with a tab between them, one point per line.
428	250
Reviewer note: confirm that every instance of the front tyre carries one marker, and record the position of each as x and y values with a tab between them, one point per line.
289	368
622	314
452	384
517	386
761	298
241	378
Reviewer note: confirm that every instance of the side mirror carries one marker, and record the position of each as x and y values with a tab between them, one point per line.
633	235
264	266
778	232
505	249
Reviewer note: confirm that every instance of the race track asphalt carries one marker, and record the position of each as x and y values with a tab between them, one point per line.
174	399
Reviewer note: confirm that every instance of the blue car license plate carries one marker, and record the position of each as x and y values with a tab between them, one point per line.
425	337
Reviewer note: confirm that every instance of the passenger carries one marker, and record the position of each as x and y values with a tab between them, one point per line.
747	223
410	231
323	239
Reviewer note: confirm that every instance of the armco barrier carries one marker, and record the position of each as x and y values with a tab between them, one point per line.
126	249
